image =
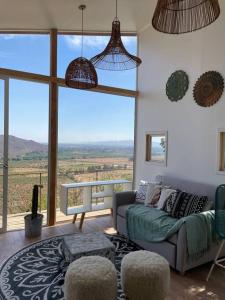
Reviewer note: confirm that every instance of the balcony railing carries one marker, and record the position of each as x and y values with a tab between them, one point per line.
20	189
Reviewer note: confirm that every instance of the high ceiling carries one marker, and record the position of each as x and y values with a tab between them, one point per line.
64	14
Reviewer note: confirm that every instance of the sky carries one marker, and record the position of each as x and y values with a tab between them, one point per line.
83	116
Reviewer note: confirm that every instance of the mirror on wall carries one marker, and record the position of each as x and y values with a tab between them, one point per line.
156	147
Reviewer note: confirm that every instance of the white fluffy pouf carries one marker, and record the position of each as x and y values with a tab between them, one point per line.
145	276
91	278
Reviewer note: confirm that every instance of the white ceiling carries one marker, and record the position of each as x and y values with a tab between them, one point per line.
64	14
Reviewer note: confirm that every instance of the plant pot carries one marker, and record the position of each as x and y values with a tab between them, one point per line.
33	226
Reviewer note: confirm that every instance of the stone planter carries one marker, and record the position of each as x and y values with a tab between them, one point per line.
33	227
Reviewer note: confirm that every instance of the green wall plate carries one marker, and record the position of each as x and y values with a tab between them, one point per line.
177	85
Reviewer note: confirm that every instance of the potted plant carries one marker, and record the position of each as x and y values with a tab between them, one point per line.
33	221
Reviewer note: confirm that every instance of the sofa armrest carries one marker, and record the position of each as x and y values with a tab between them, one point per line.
181	258
119	199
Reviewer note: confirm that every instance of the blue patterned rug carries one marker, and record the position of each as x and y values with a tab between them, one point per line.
37	272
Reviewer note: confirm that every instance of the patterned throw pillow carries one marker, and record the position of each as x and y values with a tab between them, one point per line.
186	204
169	202
165	193
141	192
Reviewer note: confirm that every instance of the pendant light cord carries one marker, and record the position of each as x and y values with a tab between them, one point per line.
82	32
116	18
116	9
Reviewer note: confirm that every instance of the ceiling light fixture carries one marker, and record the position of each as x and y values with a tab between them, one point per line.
81	73
115	57
182	16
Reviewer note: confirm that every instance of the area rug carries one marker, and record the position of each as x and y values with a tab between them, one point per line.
37	272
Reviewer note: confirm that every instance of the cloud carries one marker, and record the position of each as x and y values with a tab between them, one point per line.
11	36
8	36
74	41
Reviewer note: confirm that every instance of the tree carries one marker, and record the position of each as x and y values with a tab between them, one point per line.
163	144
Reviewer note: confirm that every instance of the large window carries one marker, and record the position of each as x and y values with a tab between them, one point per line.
1	149
25	52
96	130
28	148
96	136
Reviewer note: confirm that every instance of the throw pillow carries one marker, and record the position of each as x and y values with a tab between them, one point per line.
141	192
168	204
165	194
153	195
186	204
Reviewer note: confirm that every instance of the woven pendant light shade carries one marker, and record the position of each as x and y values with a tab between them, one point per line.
115	57
81	74
181	16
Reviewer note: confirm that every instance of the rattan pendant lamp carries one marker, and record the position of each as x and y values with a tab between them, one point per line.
81	73
182	16
115	57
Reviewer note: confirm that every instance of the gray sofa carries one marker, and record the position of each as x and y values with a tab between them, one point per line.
175	248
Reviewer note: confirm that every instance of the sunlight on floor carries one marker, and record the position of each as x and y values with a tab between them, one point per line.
110	230
200	292
194	290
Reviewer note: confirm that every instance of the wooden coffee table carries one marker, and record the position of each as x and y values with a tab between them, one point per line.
87	244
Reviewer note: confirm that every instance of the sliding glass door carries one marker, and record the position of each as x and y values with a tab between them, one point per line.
4	101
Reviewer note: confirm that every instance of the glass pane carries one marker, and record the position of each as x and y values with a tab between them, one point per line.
28	148
25	52
69	48
1	147
96	139
158	150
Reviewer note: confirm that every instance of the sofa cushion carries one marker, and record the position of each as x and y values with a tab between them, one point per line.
121	211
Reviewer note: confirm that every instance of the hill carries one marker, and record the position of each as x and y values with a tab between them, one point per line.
31	150
20	147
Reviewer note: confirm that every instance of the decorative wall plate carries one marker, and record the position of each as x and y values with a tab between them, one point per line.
208	88
177	85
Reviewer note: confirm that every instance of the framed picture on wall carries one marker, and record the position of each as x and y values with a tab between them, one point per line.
156	147
221	151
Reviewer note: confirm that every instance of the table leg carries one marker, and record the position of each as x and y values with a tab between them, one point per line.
81	220
74	218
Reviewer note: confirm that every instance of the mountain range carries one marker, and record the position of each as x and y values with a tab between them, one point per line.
20	147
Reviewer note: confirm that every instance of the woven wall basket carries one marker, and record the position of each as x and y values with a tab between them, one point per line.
177	85
208	89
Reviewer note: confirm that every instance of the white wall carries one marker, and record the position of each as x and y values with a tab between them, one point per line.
192	130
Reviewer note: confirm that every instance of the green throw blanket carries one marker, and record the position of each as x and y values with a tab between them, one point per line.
154	225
